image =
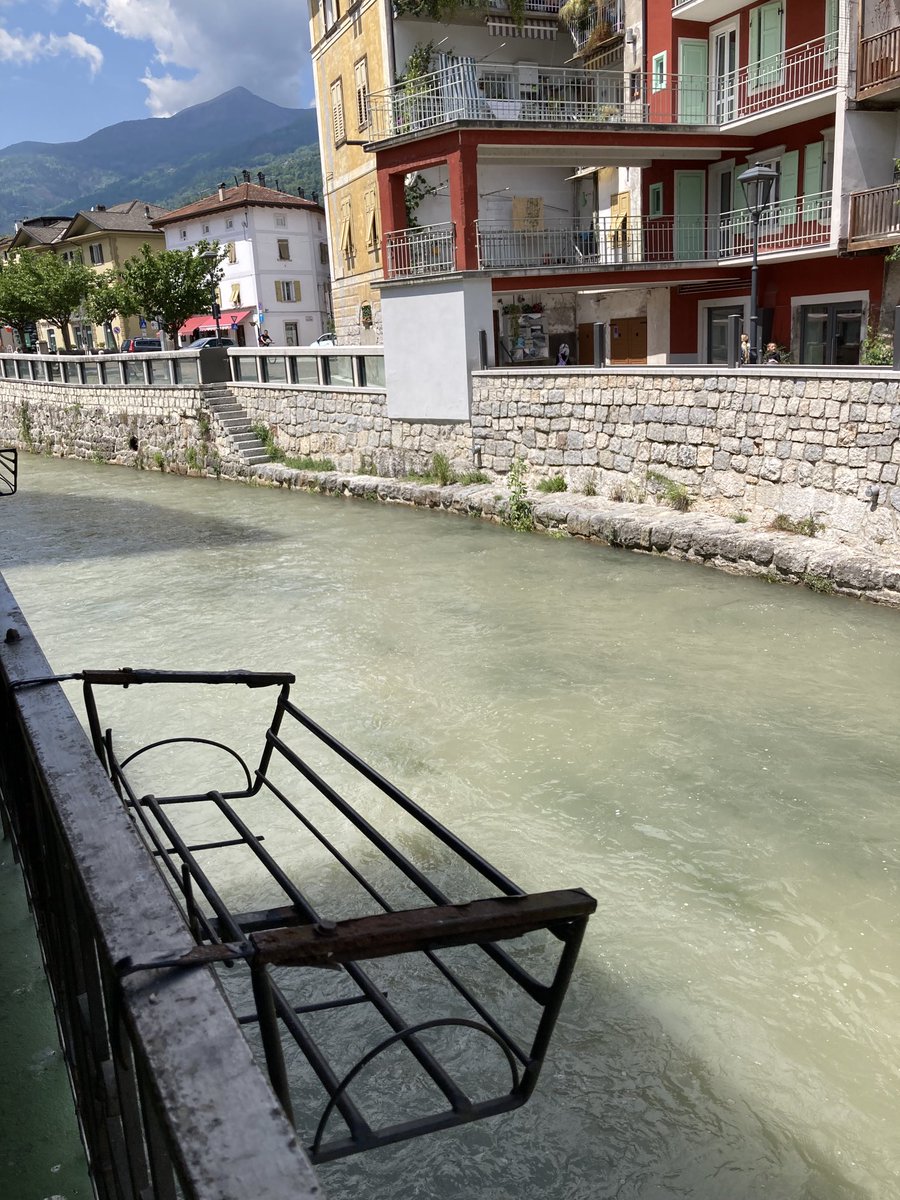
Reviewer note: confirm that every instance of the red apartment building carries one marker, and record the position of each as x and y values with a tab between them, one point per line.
550	168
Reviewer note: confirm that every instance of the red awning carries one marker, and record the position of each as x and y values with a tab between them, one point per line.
228	318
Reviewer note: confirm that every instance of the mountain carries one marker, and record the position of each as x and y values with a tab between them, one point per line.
164	160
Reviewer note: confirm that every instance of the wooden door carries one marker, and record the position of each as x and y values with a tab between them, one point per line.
628	341
585	343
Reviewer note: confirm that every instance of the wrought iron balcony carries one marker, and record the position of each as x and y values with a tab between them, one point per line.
604	19
875	217
794	74
787	225
422	250
515	92
878	61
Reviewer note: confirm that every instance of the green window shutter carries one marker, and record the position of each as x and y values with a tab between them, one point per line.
813	156
279	291
766	45
790	166
832	14
297	291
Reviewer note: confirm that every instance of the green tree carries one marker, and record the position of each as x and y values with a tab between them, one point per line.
17	302
104	302
170	285
58	289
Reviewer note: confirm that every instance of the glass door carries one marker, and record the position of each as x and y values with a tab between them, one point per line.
831	334
717	333
724	75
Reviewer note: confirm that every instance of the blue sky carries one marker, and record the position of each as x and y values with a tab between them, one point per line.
69	67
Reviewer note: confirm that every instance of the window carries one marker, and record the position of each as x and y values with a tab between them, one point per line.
766	46
656	199
284	250
231	252
361	79
346	239
330	11
371	221
182	233
831	333
206	229
288	291
290	334
96	252
658	72
281	221
832	14
323	253
235	297
337	112
229	224
73	256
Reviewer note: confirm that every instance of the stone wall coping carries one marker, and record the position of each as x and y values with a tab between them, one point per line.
886	374
320	388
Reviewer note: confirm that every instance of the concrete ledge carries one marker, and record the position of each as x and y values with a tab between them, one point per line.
713	541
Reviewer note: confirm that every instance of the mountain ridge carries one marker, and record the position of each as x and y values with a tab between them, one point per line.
162	160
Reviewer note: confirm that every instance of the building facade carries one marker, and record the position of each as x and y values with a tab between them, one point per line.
276	271
539	169
103	238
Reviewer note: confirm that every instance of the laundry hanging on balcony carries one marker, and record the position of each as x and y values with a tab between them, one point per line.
505	27
461	97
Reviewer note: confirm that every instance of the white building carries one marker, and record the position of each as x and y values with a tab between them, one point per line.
276	274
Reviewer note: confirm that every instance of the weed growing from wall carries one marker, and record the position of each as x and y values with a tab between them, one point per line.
674	494
555	483
26	429
519	509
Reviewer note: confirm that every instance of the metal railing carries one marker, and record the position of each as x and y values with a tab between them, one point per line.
617	242
875	215
168	1096
422	250
535	8
603	21
516	92
325	367
878	60
794	74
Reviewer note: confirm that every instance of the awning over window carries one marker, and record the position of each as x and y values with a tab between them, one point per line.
228	317
504	27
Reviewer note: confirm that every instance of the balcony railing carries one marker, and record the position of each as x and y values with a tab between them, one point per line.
422	250
601	22
614	242
875	215
470	91
523	93
783	78
878	61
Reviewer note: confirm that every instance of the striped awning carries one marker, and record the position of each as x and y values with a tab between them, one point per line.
504	27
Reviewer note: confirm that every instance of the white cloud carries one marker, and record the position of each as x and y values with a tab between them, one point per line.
202	51
29	47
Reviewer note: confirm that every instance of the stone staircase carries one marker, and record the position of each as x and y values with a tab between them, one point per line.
234	424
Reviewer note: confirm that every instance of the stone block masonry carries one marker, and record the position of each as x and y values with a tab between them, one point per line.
811	442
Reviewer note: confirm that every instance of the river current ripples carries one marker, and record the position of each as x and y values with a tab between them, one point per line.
715	759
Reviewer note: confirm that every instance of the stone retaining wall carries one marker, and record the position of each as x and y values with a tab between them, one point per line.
144	427
821	443
353	429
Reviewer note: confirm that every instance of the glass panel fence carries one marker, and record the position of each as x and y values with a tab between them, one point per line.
372	370
340	370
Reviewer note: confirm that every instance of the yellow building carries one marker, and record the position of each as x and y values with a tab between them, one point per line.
349	54
103	238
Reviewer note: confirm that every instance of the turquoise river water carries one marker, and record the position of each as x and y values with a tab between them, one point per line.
715	759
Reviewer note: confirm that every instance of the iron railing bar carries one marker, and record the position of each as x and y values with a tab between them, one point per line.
322	1006
470	856
208	845
402	863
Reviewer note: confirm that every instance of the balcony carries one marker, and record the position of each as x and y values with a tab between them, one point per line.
874	217
878	63
785	227
760	89
591	29
422	250
531	95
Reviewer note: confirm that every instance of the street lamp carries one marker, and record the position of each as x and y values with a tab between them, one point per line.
212	258
757	183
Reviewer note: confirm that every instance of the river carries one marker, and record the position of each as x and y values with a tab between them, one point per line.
714	758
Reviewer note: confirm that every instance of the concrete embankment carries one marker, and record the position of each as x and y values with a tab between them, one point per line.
821	564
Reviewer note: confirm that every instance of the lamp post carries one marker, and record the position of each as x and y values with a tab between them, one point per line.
212	258
757	183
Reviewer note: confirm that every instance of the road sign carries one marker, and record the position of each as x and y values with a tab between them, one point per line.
142	323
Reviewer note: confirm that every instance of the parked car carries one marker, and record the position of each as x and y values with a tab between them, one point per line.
141	345
325	339
206	343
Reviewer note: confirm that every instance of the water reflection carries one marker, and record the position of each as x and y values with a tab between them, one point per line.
715	759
